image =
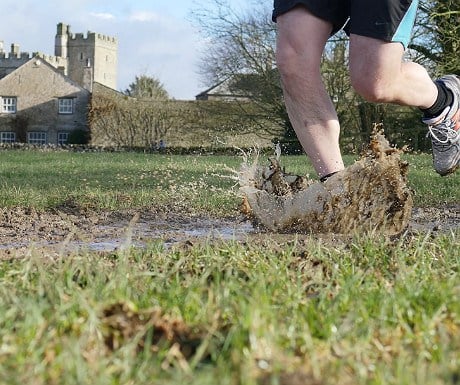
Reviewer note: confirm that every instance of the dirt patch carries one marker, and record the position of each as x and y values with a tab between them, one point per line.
67	230
435	219
151	328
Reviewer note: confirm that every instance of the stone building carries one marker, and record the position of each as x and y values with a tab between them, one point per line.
44	98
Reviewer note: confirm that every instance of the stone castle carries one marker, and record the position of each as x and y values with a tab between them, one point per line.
84	59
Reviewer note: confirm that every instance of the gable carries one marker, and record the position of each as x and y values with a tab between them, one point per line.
38	77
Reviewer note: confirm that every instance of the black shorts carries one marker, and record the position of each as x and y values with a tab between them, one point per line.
388	20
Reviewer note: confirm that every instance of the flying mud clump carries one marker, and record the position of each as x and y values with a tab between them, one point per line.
370	195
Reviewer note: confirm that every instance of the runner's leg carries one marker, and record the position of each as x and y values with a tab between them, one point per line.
379	74
301	41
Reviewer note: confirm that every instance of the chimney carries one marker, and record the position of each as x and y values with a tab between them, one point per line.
15	49
61	40
88	78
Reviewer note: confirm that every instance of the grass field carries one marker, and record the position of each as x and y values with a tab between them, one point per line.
132	180
360	310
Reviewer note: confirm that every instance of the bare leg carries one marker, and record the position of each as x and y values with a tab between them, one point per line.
379	74
301	41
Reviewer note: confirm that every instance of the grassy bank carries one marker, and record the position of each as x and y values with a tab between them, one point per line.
131	180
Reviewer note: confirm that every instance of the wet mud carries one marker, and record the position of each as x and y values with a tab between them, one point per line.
68	230
371	195
23	231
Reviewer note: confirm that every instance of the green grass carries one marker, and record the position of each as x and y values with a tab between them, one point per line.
113	181
429	188
369	312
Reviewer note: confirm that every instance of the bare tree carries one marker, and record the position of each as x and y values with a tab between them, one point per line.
241	50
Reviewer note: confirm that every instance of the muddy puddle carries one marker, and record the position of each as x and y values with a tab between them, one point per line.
142	233
370	195
23	230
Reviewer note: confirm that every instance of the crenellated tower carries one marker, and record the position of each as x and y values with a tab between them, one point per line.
90	58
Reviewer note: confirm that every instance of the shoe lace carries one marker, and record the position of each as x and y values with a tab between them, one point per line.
443	133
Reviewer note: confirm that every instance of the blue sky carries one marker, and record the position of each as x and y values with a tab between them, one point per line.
155	37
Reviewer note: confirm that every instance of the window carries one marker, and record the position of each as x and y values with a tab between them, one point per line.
8	104
66	106
36	137
7	137
62	138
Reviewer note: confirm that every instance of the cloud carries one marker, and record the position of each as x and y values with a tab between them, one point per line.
143	16
102	15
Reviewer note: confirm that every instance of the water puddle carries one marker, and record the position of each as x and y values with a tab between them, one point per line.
125	234
143	233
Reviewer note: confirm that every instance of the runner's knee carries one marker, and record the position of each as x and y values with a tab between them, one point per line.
294	67
371	88
287	61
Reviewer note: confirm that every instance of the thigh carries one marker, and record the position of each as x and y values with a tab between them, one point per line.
374	59
387	20
302	35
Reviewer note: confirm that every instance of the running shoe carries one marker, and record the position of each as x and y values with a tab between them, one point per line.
444	131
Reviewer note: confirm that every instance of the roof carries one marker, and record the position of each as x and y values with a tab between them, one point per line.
222	89
40	62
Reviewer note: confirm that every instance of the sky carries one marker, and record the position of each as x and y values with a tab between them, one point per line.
155	37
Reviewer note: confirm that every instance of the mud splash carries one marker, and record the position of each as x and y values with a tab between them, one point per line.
370	195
